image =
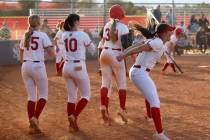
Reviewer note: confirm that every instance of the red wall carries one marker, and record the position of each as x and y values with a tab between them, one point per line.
18	25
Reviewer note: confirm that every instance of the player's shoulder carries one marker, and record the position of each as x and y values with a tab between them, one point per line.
59	32
156	41
82	34
65	34
122	25
124	28
108	24
41	34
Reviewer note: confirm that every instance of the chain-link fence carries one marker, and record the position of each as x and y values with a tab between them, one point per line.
93	15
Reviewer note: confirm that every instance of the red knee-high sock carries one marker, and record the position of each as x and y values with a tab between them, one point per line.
70	108
61	66
173	67
57	65
157	119
148	109
31	109
122	98
80	106
39	107
104	98
165	66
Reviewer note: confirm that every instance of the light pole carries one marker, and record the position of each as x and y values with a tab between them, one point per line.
105	12
71	6
173	7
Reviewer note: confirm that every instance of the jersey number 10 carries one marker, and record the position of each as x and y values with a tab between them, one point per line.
71	45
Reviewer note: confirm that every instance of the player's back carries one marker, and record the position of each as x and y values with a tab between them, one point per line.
121	29
148	59
38	41
75	44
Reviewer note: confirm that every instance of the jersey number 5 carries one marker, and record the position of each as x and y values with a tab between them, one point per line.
71	45
34	43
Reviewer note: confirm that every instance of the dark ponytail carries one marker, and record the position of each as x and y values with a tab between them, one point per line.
145	32
69	22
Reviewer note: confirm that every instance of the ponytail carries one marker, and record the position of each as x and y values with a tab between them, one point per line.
66	25
145	32
113	32
69	22
28	35
34	22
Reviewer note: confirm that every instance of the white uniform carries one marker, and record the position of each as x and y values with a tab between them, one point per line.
100	46
61	53
75	72
140	76
168	46
108	56
33	69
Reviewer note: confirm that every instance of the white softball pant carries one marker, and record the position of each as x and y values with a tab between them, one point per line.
109	64
60	54
140	77
35	80
76	77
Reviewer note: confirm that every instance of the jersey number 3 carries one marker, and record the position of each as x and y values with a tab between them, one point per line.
108	34
71	45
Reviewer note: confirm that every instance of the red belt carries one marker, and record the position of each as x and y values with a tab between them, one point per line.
74	61
113	49
139	66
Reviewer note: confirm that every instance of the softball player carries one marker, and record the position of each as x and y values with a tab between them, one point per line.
33	69
75	72
152	50
115	37
170	45
60	50
100	48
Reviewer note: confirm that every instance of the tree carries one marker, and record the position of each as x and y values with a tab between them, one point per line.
26	5
129	7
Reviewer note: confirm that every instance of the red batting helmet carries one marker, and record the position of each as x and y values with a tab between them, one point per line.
178	31
116	12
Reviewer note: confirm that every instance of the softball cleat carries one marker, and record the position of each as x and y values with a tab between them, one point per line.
160	136
123	114
73	123
105	115
148	119
34	125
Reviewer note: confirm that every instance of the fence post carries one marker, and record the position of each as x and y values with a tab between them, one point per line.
173	8
104	12
16	30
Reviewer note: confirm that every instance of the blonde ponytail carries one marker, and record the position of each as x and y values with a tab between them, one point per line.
113	32
28	37
33	21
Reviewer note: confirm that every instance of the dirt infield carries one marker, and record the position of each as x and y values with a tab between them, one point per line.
185	106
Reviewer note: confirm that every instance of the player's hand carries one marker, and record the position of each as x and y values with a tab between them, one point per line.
120	57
